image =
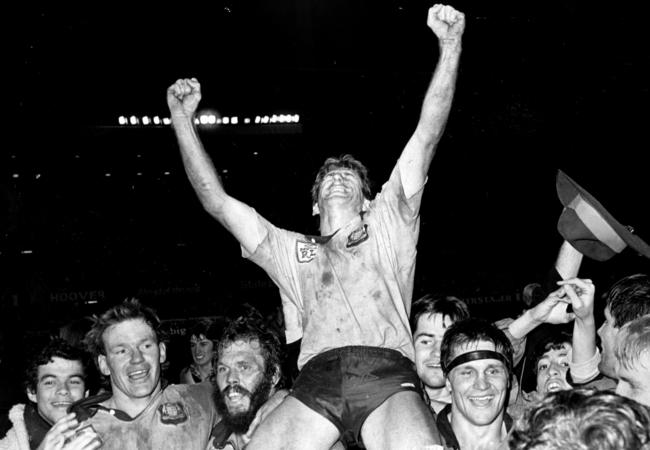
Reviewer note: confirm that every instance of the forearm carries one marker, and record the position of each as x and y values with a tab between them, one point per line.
237	217
440	93
584	340
199	167
523	325
568	261
419	151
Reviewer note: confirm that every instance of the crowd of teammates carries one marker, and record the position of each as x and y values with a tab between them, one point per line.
466	367
374	370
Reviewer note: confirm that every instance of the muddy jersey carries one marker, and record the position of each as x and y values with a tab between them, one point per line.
351	288
180	417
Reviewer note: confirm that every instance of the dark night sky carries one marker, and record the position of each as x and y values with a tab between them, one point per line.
540	88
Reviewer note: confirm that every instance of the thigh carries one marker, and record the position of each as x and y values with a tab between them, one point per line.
293	425
403	421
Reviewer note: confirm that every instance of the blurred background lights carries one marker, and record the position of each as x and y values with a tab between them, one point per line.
207	119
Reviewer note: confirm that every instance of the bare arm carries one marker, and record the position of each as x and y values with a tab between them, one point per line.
448	25
581	292
568	261
552	310
183	98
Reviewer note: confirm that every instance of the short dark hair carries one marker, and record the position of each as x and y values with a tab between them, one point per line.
553	341
629	298
253	327
205	327
342	162
470	331
129	309
583	419
446	305
54	348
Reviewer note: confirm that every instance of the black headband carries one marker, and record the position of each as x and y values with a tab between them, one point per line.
473	356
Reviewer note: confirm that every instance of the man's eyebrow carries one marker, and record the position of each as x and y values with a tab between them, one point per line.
417	335
498	364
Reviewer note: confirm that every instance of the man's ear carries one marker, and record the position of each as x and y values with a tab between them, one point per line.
86	394
31	395
315	210
365	205
103	366
448	384
163	352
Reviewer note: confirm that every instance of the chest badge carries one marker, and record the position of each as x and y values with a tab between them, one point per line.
357	236
172	413
306	251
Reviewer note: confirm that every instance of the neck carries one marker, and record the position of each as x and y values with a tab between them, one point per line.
439	398
476	437
132	406
204	370
332	219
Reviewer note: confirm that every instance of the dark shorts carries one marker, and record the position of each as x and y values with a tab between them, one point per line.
346	384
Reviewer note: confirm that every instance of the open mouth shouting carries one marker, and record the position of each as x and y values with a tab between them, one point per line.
138	375
555	384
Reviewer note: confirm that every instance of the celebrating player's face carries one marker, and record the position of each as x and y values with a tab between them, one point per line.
479	387
427	338
552	368
341	185
59	383
243	383
133	358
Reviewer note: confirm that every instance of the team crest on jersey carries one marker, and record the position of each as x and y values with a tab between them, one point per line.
357	236
172	413
306	251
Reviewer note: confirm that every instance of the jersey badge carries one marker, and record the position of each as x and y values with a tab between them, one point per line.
357	236
172	413
306	251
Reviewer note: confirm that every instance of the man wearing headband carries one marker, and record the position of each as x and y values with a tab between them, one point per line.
476	359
